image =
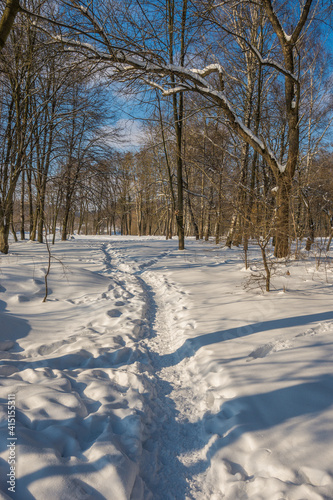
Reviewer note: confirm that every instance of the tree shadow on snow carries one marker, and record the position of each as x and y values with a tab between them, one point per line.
239	416
257	412
12	328
192	345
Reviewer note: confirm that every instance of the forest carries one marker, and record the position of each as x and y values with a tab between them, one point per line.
164	164
235	107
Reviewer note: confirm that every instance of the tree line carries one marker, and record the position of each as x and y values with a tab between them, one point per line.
235	143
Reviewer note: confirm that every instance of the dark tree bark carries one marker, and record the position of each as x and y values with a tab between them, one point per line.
7	20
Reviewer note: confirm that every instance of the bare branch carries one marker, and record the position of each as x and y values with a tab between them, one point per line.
283	38
301	22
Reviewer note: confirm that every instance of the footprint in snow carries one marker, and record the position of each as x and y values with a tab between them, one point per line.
114	313
140	327
266	349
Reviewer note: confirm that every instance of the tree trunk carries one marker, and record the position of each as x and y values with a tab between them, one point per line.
41	216
282	217
311	237
33	231
65	223
194	223
4	233
13	228
31	209
202	207
218	228
231	232
22	206
178	112
7	20
267	270
207	234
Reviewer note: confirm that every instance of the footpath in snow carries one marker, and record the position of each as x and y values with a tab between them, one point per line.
152	374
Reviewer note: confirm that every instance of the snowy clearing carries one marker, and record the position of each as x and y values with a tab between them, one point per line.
152	374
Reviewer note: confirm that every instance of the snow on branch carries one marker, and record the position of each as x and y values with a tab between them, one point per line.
212	68
283	37
77	44
280	166
167	92
191	79
155	85
84	9
273	64
202	86
176	90
240	128
268	61
302	20
287	37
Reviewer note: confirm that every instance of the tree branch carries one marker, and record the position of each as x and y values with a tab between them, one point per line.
277	26
301	22
191	80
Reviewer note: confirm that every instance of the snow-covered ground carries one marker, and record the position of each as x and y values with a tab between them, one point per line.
152	373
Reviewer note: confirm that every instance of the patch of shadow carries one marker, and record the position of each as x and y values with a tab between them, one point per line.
23	298
38	281
12	327
114	313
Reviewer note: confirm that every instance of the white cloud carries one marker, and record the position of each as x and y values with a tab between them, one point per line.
131	133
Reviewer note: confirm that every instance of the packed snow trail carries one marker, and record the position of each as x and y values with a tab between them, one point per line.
173	464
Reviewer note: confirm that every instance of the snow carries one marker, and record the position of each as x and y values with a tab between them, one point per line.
152	373
211	68
287	37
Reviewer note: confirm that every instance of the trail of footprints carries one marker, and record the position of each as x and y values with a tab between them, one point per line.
98	332
167	448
